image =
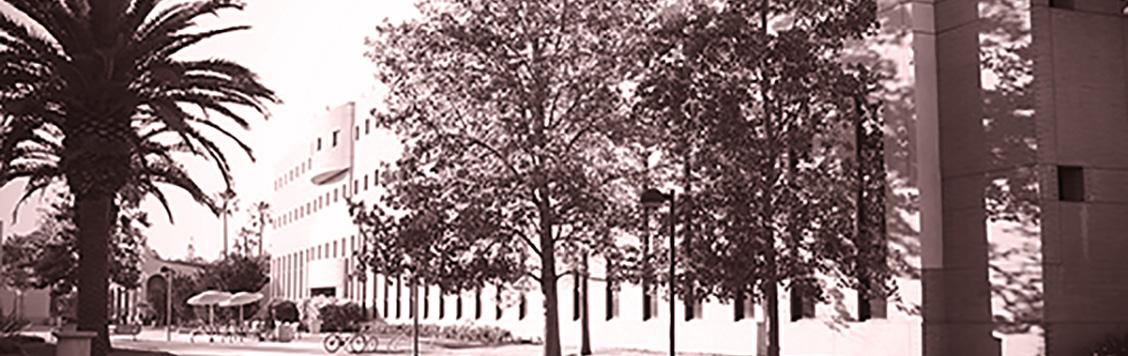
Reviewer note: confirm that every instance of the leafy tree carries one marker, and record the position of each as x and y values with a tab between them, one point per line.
757	124
513	114
235	273
52	247
19	253
94	97
184	286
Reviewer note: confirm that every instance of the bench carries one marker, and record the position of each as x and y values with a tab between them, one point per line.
127	329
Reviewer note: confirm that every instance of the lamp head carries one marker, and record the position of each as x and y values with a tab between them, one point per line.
652	198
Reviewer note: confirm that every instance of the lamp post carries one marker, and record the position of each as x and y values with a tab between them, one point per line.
654	198
168	272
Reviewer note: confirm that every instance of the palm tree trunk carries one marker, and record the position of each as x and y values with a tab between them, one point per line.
93	222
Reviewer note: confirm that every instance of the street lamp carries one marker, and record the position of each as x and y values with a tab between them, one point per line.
652	198
168	272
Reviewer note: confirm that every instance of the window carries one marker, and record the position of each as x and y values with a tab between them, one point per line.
802	306
522	307
649	302
367	126
442	303
612	302
478	303
1071	183
356	186
497	303
356	133
319	144
335	134
693	308
743	307
458	307
334	249
335	195
870	307
365	182
426	301
352	243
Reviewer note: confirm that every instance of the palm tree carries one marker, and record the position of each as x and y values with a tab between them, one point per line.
228	206
260	218
93	98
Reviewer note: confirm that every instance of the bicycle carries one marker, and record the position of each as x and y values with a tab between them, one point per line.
357	342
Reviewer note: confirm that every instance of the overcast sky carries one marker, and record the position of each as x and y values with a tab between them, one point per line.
312	54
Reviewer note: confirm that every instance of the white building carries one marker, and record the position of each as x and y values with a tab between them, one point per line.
314	240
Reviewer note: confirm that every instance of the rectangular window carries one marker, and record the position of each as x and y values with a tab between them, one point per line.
1071	183
458	307
356	186
442	303
693	308
365	182
367	126
412	299
612	302
871	307
399	294
426	301
356	133
497	303
334	249
387	295
478	303
319	144
802	307
335	195
352	244
522	307
335	134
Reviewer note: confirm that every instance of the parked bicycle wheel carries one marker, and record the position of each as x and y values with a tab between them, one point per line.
332	343
356	343
373	343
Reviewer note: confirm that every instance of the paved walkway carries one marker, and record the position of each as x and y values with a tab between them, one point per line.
310	344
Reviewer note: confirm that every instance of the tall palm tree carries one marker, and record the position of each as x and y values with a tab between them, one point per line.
228	206
262	217
93	97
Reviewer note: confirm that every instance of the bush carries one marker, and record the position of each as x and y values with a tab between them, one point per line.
340	317
1112	346
285	311
486	335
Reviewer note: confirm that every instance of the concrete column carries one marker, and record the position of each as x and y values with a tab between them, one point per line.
951	166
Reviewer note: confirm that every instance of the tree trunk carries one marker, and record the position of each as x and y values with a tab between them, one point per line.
548	286
93	222
585	324
772	295
415	316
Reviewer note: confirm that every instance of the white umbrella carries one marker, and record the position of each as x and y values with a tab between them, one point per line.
209	298
239	300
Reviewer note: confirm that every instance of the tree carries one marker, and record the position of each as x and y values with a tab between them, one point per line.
53	247
228	206
757	124
19	253
514	111
235	273
94	97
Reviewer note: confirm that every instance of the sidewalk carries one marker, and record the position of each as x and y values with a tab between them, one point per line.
310	344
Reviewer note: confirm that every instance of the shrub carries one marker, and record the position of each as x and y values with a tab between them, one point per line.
285	311
1112	346
340	317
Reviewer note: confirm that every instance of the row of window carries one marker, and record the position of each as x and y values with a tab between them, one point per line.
802	307
324	200
299	170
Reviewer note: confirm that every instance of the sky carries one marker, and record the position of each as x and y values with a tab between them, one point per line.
312	54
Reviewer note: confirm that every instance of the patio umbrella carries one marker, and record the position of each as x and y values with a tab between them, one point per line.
239	300
209	298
